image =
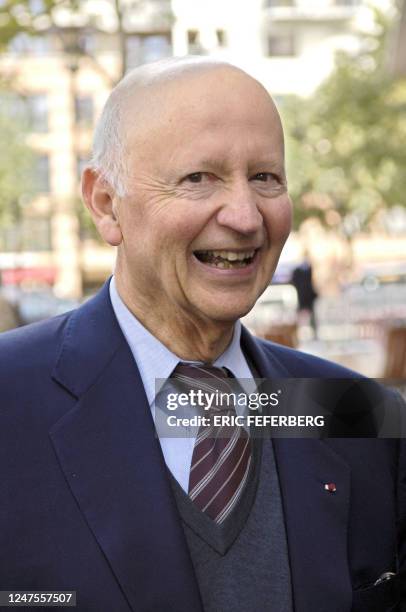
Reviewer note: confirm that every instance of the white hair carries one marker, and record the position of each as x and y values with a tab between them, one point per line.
108	158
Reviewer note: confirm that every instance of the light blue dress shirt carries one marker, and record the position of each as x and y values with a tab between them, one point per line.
155	361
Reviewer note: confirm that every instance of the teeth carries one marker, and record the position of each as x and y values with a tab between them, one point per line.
226	259
232	255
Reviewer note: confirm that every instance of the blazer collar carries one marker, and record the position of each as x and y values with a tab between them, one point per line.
92	336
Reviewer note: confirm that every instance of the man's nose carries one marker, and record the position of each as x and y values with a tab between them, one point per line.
239	211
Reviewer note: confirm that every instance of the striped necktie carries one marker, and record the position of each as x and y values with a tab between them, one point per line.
221	455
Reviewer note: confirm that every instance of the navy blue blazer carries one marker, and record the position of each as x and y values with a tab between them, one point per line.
86	504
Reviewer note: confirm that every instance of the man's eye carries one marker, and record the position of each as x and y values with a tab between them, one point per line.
200	177
195	177
265	177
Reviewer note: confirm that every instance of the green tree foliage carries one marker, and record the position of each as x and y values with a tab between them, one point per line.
346	150
29	16
82	18
66	20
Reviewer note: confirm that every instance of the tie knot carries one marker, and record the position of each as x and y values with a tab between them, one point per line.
207	380
197	371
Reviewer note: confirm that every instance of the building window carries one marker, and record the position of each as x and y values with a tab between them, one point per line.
194	44
273	3
192	37
281	45
84	110
221	38
13	106
144	48
31	234
38	112
88	42
34	45
346	2
31	112
155	47
41	174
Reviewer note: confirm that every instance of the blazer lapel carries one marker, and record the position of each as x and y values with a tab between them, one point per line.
113	463
316	520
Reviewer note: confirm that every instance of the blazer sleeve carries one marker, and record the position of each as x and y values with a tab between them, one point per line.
401	526
402	522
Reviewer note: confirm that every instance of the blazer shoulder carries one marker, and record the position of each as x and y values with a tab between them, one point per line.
304	365
31	347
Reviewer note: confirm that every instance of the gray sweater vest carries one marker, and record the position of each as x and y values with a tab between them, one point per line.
242	565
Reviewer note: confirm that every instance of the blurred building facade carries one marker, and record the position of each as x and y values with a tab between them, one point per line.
66	74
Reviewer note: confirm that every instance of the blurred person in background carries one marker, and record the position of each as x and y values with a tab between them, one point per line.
302	280
188	182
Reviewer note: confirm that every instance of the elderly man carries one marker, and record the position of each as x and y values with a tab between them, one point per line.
188	182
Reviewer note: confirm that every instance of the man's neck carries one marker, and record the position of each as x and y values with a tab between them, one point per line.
189	338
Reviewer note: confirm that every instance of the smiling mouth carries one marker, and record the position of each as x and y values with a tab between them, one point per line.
226	259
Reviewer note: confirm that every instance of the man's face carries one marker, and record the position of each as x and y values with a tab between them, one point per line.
207	213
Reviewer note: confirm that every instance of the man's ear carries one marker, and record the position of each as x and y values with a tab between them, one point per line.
98	197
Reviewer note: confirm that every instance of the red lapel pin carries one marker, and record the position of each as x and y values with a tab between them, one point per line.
330	487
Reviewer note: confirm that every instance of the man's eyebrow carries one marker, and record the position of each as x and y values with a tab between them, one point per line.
199	165
267	162
211	164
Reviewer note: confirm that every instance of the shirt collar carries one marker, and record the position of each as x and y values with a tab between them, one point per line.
154	360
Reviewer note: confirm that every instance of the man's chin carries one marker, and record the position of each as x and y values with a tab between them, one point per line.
226	313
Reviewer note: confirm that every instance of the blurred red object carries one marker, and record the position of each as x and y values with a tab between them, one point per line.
16	276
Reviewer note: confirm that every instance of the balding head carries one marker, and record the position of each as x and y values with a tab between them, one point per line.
139	100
